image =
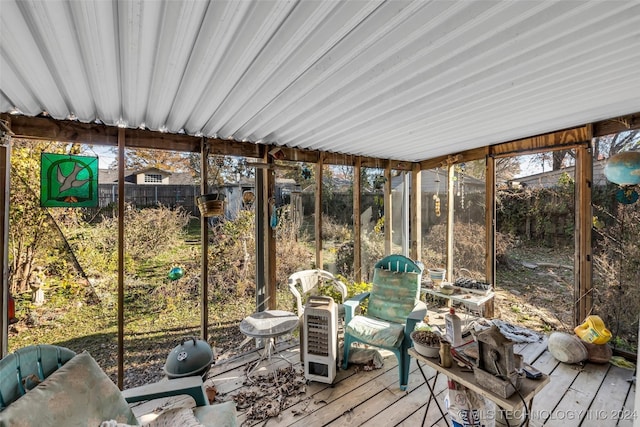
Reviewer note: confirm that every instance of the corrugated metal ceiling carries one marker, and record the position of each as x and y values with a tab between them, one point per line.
408	80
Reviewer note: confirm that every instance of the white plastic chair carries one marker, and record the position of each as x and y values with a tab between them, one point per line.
306	283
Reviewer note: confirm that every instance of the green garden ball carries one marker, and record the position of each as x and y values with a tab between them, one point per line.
176	273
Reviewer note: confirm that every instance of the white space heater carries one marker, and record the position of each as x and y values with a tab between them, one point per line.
320	339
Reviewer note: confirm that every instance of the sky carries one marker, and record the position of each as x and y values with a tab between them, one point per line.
105	156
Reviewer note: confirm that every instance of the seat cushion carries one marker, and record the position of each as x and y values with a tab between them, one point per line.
377	332
78	394
183	417
393	295
34	362
218	415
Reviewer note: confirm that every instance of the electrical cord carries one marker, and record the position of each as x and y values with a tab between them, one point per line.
494	356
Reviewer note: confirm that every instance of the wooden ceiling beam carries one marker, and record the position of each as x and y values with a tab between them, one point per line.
616	125
100	134
465	156
548	141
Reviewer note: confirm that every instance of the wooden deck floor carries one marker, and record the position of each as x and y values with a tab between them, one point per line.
590	395
593	395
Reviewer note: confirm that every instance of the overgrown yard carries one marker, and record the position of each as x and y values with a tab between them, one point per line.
81	314
148	337
534	289
160	312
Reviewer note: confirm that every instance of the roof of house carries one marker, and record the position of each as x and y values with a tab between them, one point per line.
107	176
551	178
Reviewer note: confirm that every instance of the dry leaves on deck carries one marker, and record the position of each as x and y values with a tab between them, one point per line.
212	392
265	396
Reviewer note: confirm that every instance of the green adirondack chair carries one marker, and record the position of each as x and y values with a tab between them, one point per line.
393	309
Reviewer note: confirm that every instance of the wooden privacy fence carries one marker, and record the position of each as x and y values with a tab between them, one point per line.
144	196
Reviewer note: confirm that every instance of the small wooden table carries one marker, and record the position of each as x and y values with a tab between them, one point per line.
528	388
483	304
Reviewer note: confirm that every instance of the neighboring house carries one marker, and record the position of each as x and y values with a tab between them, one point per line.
149	187
433	183
153	186
429	183
550	178
147	176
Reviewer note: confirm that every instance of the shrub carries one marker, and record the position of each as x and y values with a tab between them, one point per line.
332	230
147	232
616	268
544	215
232	257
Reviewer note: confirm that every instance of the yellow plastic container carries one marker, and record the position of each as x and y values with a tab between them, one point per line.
593	331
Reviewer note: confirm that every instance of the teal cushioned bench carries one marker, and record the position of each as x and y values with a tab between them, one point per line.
47	385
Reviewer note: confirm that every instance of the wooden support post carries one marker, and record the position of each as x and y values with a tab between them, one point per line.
405	215
388	210
416	212
204	239
490	230
265	238
490	220
450	219
270	184
262	223
357	221
5	175
318	212
121	265
583	257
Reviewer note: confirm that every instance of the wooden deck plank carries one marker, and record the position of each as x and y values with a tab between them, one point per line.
630	413
365	410
373	398
403	408
229	381
410	409
561	377
606	407
372	407
416	420
571	410
319	395
350	400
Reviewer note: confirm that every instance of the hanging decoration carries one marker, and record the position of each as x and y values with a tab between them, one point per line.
273	222
68	180
461	173
306	172
213	204
379	181
436	197
248	197
624	169
626	196
5	134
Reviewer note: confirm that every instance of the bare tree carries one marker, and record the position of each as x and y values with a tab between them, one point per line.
607	146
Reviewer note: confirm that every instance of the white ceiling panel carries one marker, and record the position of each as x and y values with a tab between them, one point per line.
408	80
